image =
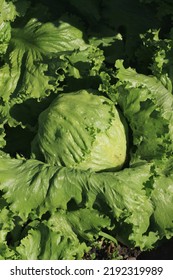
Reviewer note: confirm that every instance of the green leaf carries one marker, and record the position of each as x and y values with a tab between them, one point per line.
32	64
5	35
7	14
90	227
148	106
29	53
51	240
6	225
32	188
23	199
8	11
2	134
162	198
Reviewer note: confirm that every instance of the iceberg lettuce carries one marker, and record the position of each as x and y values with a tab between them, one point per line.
73	77
82	130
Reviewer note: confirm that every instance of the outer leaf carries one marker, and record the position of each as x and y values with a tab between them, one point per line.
148	106
162	197
8	11
6	225
29	52
2	133
5	35
50	240
87	223
23	199
45	188
30	246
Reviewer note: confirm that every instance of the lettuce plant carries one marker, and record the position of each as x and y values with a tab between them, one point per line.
86	126
82	130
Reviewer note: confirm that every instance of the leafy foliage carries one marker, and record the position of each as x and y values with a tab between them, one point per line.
120	52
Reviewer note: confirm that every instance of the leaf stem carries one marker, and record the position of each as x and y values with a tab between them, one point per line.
108	236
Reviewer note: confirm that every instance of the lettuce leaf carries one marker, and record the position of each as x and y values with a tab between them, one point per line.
33	67
49	212
6	226
162	198
46	188
29	53
9	11
147	105
51	240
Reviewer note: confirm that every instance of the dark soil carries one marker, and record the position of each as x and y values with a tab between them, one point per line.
163	252
103	250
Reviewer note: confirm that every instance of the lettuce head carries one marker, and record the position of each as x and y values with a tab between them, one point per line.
72	176
82	130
